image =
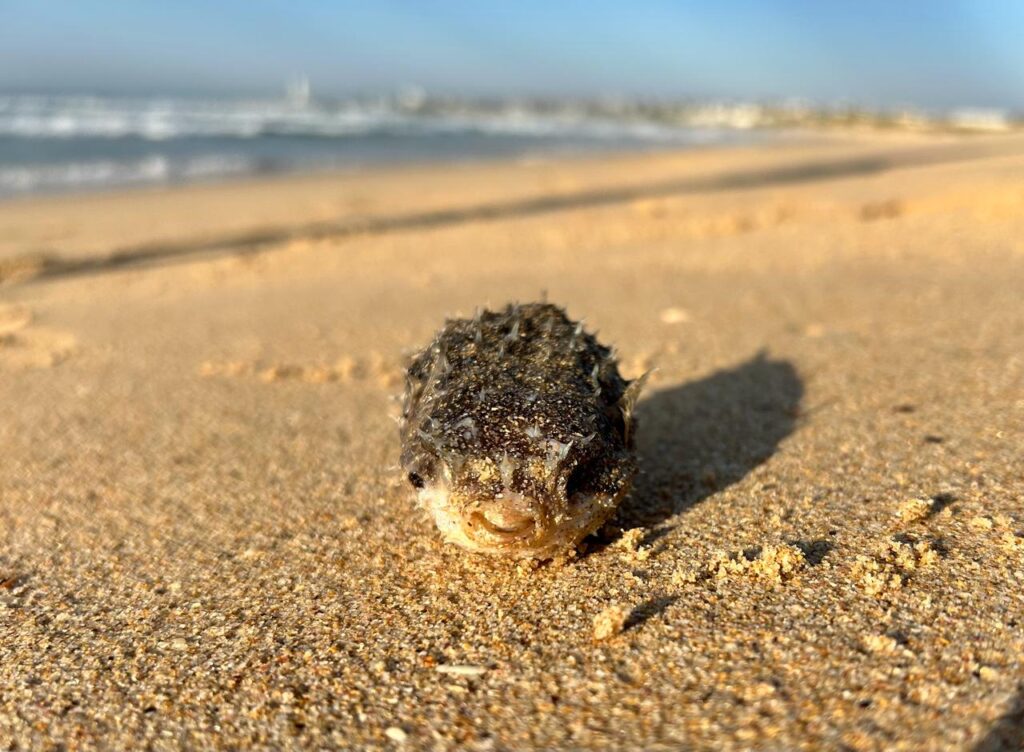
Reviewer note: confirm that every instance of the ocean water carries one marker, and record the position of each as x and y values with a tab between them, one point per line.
52	144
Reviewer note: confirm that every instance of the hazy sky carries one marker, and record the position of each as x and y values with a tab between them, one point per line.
919	52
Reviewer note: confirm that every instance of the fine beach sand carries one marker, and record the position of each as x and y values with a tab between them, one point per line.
205	542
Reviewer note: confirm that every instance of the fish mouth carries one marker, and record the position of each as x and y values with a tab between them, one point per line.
504	527
504	521
514	525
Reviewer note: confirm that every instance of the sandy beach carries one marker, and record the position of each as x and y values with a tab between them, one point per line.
205	541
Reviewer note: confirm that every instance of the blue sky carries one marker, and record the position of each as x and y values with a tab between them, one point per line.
925	53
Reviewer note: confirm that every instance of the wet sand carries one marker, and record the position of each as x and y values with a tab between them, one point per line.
205	541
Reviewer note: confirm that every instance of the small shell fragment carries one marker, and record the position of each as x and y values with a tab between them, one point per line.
610	622
674	316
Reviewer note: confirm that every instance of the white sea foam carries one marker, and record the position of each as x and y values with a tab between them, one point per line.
17	179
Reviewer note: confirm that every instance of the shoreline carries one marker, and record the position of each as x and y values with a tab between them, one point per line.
746	139
425	161
71	144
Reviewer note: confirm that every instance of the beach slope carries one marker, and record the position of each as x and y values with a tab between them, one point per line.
205	540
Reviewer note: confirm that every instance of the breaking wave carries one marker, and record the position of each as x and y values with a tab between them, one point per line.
48	178
54	143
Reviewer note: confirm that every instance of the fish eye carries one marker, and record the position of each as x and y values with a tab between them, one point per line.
416	480
578	479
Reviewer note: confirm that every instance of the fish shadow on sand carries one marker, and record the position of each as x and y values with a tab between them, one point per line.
1008	731
700	437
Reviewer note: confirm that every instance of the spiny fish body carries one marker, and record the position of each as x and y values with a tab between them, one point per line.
517	431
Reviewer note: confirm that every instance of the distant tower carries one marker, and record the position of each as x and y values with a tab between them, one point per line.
298	92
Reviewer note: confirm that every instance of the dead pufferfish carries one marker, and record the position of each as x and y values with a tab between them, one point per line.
518	431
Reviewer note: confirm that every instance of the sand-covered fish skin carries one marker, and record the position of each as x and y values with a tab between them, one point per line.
517	431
